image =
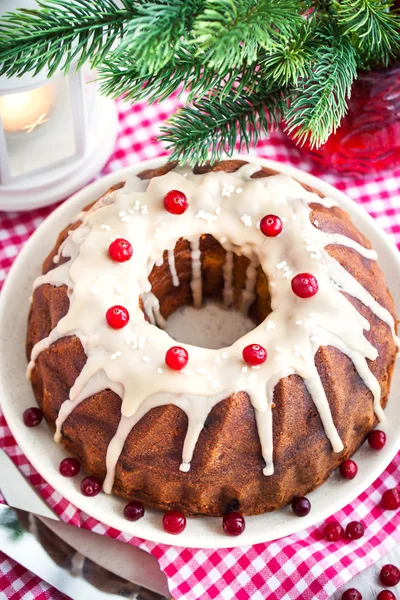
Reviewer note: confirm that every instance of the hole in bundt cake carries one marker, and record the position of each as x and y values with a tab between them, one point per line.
213	296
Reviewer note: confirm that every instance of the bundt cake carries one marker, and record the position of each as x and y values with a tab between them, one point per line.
247	427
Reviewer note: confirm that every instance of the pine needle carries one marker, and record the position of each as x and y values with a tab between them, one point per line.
241	65
60	32
372	26
157	31
208	130
229	33
319	102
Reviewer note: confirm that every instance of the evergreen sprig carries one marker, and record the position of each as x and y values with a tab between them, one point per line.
156	32
372	27
223	27
191	134
318	101
59	32
244	65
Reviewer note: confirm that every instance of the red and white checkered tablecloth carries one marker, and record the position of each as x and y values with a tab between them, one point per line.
301	566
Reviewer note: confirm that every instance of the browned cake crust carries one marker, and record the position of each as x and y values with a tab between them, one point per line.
226	470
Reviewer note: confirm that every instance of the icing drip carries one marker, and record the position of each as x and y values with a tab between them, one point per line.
228	278
248	294
130	361
196	283
151	306
172	268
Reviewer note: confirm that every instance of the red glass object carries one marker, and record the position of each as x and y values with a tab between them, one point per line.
368	139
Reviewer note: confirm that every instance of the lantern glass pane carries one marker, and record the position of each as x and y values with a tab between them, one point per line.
38	127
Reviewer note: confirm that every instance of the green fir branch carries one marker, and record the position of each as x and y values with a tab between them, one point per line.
119	76
242	64
290	60
319	102
230	33
208	130
156	32
372	27
58	33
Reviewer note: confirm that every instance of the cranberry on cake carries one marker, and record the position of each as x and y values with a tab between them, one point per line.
178	427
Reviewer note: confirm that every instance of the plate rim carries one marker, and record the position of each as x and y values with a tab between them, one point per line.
80	199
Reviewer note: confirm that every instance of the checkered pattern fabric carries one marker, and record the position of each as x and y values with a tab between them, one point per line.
17	583
302	566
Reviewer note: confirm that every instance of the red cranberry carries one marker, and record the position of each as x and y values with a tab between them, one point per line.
391	499
233	523
32	416
90	486
174	522
355	530
117	317
351	594
69	467
120	250
301	506
134	511
348	469
175	202
386	595
377	439
332	531
389	575
271	225
254	354
304	285
176	358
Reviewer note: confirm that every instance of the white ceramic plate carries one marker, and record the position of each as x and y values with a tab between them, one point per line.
45	455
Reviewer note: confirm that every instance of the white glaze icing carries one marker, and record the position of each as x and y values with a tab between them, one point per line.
131	360
248	294
196	283
172	268
228	278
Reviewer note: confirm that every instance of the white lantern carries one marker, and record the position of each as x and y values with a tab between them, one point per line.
55	135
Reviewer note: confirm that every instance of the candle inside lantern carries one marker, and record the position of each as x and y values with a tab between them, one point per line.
26	110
